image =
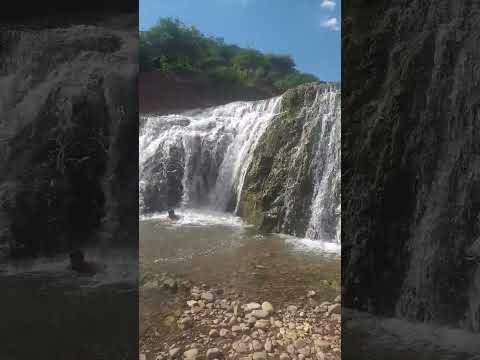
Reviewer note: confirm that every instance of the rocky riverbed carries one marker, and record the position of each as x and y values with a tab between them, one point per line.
182	320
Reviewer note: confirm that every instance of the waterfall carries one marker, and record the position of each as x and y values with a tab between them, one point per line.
214	145
199	159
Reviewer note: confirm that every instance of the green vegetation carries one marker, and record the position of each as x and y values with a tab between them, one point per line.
178	50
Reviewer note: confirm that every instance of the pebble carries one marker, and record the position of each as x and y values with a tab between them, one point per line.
208	296
170	283
304	331
241	347
260	355
260	314
185	323
190	354
257	345
266	306
252	306
174	352
268	345
213	333
262	324
300	343
214	353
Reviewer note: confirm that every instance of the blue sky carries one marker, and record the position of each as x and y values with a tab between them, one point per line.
308	30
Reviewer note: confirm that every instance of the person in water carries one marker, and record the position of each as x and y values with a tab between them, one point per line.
79	265
172	215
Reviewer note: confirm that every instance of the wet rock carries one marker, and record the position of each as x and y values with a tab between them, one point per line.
311	293
224	332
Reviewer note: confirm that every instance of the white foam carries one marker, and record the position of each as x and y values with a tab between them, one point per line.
313	246
197	218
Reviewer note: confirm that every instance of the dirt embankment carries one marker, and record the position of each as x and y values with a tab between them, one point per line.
161	95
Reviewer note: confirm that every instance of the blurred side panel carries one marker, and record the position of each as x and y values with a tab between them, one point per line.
69	181
410	179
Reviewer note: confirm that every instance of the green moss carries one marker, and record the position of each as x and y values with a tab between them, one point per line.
282	162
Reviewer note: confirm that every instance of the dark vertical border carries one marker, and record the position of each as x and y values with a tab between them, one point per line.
410	179
69	179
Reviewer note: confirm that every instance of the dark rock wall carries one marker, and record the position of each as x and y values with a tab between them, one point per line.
410	159
68	138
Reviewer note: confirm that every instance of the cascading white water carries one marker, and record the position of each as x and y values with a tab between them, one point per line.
199	159
215	144
326	202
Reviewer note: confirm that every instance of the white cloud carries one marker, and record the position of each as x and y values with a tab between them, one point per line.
328	4
330	23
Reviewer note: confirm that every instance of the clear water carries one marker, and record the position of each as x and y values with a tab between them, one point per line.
218	248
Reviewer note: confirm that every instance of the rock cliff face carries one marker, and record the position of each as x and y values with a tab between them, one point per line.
410	160
292	183
68	138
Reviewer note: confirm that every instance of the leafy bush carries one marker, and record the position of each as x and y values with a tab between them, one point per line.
173	48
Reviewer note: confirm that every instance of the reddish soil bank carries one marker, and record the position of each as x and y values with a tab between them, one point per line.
161	95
